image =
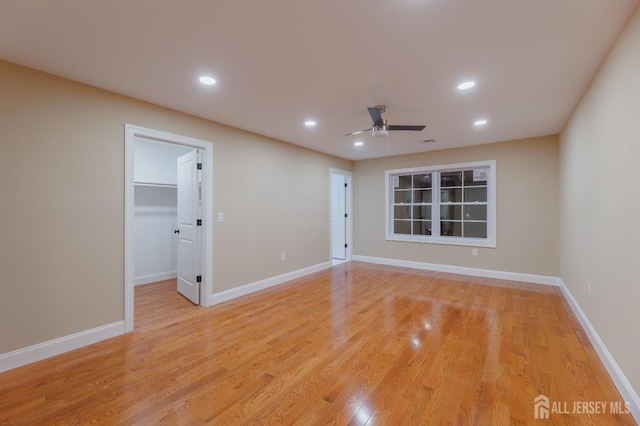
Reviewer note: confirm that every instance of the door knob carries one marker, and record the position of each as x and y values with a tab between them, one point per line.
176	231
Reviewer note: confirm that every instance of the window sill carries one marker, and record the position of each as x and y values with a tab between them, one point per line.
452	241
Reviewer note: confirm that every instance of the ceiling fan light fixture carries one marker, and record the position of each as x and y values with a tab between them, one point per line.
379	132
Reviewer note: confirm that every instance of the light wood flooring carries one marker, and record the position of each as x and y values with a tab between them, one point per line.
357	344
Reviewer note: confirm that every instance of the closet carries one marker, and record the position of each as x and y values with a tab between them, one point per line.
155	210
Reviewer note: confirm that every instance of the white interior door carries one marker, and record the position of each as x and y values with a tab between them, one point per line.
189	233
338	216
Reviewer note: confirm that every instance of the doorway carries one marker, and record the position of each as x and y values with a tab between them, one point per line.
341	221
166	188
155	209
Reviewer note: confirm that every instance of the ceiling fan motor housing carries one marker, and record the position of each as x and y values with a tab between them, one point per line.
380	131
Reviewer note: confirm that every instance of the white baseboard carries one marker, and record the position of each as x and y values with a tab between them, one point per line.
24	356
462	270
152	278
233	293
624	387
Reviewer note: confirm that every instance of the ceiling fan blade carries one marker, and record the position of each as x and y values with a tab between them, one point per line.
376	117
357	132
405	127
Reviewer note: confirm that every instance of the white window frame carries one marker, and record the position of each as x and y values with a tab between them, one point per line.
489	241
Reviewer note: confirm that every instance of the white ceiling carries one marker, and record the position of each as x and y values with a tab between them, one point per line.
280	62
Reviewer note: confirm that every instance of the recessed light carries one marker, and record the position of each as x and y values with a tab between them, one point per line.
209	81
309	123
358	143
466	85
480	122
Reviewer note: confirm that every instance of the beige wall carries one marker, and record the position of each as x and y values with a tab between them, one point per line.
275	198
62	186
527	208
600	228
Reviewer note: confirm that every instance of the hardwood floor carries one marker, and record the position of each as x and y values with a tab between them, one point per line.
357	344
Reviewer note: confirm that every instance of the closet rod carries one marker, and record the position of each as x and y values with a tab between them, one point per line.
158	185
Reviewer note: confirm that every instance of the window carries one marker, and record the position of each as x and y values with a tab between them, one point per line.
452	204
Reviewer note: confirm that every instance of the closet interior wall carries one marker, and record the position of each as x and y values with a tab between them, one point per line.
155	210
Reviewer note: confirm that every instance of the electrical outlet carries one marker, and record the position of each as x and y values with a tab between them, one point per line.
474	251
220	217
283	256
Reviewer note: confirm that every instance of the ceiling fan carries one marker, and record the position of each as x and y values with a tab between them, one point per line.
380	126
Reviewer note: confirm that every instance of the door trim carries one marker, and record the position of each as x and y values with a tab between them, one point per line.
206	147
348	208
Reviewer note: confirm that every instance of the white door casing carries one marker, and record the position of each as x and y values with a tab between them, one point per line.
339	219
189	232
206	157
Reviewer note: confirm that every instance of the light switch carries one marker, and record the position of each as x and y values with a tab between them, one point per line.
220	217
